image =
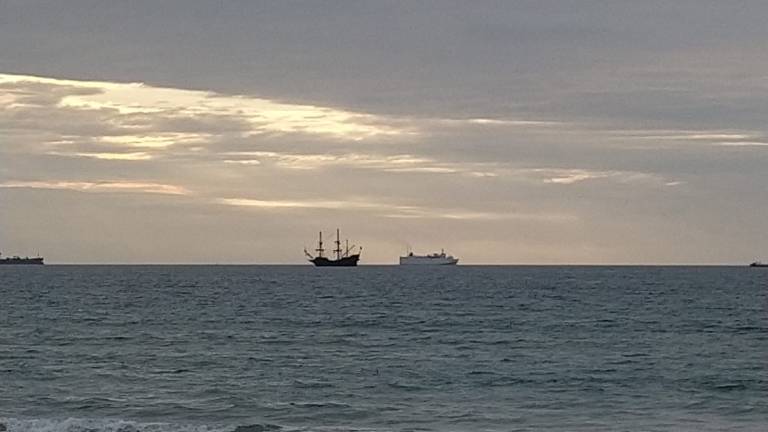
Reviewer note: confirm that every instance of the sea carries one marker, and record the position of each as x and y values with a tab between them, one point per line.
383	348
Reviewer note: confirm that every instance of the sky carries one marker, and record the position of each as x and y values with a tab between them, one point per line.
509	132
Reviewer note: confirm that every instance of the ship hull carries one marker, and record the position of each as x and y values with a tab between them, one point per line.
21	261
755	264
347	261
429	261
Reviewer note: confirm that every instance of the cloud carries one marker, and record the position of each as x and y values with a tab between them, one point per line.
38	93
390	163
572	176
310	204
703	135
137	122
742	143
575	176
469	215
508	122
395	211
62	117
104	186
128	156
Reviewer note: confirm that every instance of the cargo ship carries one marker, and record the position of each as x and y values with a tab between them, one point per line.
344	257
430	259
17	260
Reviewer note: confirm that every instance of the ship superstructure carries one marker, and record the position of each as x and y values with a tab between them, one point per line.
343	257
430	259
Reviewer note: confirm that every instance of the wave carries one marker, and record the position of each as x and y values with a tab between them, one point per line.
118	425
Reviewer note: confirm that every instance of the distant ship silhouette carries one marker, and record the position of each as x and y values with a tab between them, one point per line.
38	260
343	257
429	259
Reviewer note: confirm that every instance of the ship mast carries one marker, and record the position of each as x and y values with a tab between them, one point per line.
320	249
338	245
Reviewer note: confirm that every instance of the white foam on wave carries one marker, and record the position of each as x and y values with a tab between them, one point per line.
101	425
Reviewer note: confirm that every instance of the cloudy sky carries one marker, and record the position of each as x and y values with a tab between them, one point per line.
505	132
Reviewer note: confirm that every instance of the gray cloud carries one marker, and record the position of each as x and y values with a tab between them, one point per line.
551	132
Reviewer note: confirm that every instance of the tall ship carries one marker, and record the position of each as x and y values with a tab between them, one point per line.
343	257
21	261
430	259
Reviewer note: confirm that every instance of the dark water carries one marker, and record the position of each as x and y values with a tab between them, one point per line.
383	349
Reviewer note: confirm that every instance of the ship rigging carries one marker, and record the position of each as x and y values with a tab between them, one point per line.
344	257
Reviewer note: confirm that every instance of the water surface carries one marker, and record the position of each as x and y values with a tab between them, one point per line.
284	348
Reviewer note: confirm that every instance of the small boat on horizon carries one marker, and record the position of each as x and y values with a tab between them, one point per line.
343	256
758	264
17	260
429	259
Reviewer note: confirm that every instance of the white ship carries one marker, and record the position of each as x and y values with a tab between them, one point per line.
431	259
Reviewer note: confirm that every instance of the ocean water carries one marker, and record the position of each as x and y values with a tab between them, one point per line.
297	348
